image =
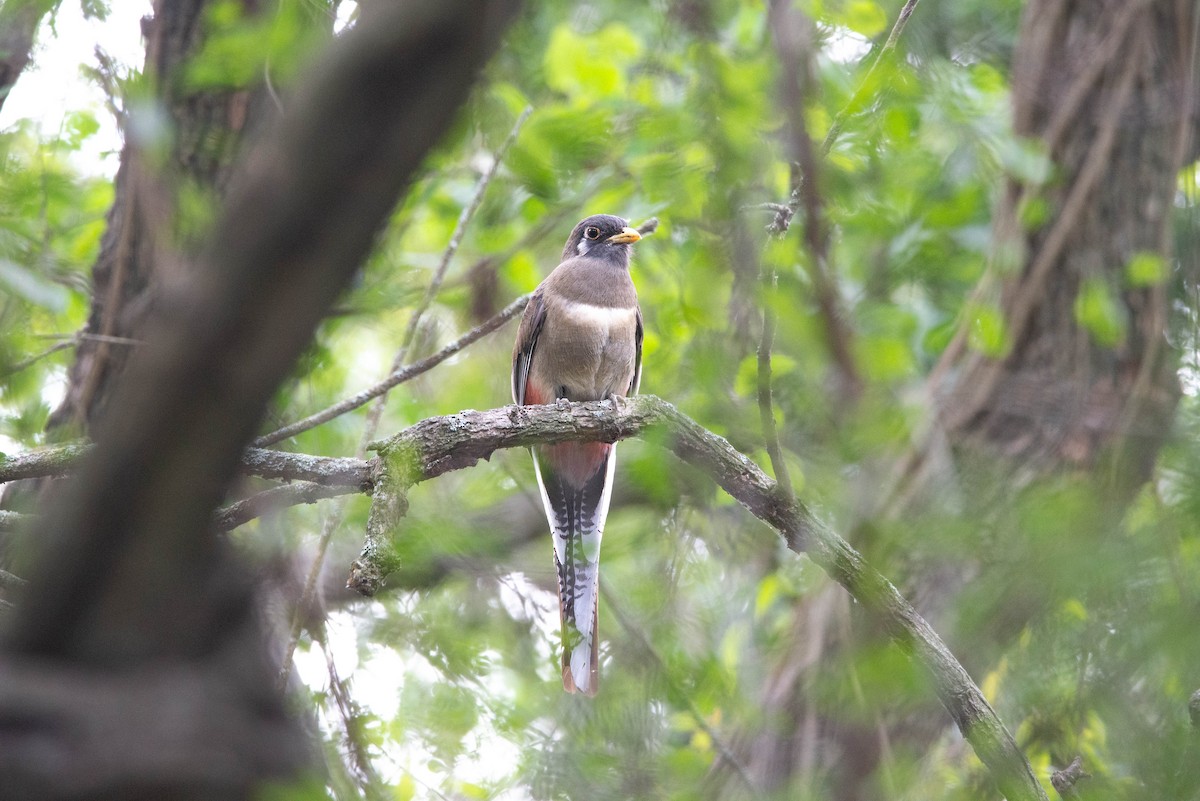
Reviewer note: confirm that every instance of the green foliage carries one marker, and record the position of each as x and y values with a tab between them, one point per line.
238	49
1097	310
51	220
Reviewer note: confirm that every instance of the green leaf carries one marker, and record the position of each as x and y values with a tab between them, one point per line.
1146	269
79	126
1098	311
883	358
988	333
590	67
865	17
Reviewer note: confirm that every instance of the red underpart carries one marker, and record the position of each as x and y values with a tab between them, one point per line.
574	461
534	396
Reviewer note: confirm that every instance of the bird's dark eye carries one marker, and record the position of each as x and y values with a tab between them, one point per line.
591	232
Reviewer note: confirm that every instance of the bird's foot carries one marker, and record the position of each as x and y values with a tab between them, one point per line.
620	403
562	403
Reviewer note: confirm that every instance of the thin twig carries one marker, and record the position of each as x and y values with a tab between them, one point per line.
792	32
1064	780
111	340
333	520
439	275
766	405
329	471
835	128
275	498
398	377
32	360
348	709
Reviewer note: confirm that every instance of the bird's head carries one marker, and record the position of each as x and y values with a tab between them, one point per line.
602	236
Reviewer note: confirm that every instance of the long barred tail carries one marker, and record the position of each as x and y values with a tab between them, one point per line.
576	506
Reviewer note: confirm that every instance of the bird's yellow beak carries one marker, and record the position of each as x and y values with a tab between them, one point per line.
627	236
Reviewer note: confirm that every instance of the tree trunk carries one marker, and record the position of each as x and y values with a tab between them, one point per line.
136	251
1107	88
19	21
136	648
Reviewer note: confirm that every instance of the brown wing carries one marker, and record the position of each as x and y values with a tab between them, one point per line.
637	357
527	337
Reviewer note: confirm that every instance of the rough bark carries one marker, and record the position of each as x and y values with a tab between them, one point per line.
132	583
1105	87
19	21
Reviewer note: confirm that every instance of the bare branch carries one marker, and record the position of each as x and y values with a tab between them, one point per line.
766	404
856	100
331	471
396	378
37	357
792	33
276	498
439	275
337	471
52	461
19	20
439	445
1064	780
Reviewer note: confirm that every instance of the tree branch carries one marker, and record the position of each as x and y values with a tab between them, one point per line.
439	445
1064	780
130	587
276	498
52	461
396	378
856	100
792	34
331	471
19	20
766	404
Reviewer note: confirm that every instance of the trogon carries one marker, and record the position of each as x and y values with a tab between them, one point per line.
580	339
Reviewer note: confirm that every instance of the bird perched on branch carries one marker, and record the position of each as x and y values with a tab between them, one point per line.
580	340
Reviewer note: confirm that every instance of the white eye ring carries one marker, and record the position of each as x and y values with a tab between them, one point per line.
591	232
